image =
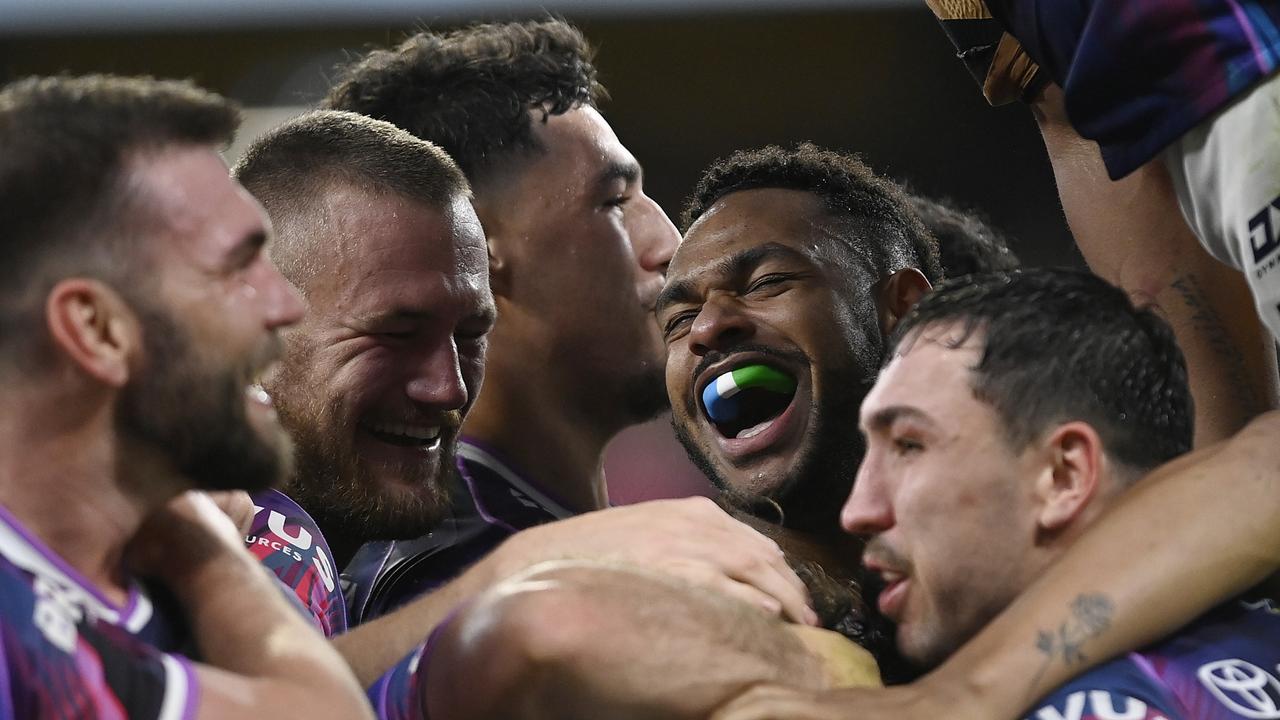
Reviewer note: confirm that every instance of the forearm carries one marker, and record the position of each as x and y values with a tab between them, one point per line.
1131	232
587	640
1196	532
374	647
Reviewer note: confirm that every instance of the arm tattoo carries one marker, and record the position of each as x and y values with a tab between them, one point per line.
1206	320
1090	617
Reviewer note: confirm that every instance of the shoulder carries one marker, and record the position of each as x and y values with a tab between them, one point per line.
289	543
1117	689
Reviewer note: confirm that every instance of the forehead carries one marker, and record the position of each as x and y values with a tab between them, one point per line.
579	145
929	373
190	191
748	219
386	249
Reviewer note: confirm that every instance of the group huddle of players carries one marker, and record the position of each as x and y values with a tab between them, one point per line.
948	486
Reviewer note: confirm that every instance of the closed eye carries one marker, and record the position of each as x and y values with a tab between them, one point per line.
680	319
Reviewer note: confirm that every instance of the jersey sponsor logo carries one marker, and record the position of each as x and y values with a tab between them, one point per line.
301	540
1263	235
1099	705
57	613
1245	688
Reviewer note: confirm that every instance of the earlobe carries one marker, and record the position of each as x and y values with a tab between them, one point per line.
1071	478
898	294
92	328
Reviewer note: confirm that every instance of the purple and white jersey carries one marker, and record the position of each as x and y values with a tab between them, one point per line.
69	652
491	502
288	542
1223	666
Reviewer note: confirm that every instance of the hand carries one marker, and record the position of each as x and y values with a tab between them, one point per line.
690	538
901	702
237	505
181	534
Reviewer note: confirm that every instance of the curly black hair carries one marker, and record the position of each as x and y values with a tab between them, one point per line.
967	244
471	90
848	189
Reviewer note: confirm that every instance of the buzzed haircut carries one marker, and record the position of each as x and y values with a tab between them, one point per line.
1061	345
471	90
967	243
67	207
885	228
291	168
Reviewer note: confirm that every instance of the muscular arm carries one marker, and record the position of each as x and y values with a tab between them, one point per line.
1132	233
585	640
1192	534
261	659
689	538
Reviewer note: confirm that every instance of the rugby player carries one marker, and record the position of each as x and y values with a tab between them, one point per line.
137	308
1015	409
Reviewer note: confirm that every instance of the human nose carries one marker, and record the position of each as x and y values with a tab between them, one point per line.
437	378
868	510
655	238
720	325
283	304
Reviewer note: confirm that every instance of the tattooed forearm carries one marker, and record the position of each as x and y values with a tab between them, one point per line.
1205	319
1090	617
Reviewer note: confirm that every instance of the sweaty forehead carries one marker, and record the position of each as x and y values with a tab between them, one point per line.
931	370
751	218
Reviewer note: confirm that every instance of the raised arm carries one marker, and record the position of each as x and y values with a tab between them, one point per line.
1132	233
260	657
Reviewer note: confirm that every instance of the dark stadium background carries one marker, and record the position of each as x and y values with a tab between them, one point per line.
690	81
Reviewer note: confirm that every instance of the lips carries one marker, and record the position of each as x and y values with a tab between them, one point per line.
893	595
761	418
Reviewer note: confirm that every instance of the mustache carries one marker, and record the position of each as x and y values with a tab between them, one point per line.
714	356
884	555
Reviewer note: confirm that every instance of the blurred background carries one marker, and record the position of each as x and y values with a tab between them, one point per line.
690	81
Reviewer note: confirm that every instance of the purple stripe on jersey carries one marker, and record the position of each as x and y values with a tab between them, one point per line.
1242	19
193	688
518	472
72	574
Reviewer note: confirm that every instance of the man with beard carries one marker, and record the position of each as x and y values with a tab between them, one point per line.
376	381
137	307
1015	410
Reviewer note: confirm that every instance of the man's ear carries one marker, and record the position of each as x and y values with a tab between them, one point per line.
898	293
1071	478
93	328
497	242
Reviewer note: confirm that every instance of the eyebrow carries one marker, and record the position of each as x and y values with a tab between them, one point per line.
737	264
246	248
883	418
626	170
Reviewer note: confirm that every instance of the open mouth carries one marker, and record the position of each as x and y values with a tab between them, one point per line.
745	401
402	435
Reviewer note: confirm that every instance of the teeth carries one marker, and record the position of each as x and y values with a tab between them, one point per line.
754	431
415	432
891	577
255	392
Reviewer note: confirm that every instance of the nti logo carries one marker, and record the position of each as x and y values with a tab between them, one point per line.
1245	688
1262	232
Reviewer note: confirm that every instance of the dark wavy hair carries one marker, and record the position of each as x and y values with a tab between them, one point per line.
1062	345
471	91
885	228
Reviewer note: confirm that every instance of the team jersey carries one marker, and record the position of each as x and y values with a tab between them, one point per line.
68	652
1138	74
288	542
491	502
1224	665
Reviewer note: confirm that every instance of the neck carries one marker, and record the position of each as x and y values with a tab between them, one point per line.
559	447
59	476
